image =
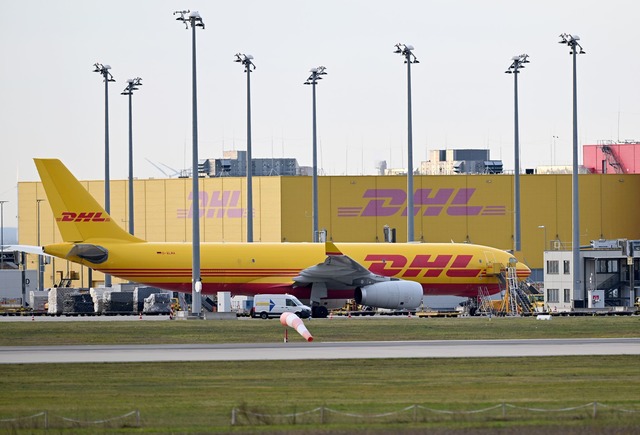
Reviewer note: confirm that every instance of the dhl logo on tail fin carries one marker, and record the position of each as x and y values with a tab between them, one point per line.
78	215
69	216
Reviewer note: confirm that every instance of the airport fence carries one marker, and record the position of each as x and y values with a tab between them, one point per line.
323	415
46	420
422	414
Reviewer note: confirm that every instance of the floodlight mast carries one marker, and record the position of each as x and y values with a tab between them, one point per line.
316	74
103	70
542	227
132	85
246	61
40	262
193	18
406	51
516	64
2	234
575	48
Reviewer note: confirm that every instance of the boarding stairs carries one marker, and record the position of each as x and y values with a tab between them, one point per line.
484	303
183	302
515	301
523	299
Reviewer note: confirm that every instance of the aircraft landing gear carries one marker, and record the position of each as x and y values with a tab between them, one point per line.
319	312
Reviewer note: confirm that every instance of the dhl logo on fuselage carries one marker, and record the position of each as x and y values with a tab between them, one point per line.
83	216
422	265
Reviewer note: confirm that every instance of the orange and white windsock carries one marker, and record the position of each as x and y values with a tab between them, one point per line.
290	319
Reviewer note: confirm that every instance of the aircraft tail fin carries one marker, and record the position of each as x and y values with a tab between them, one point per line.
331	250
78	215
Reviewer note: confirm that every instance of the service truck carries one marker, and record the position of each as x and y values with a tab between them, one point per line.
265	306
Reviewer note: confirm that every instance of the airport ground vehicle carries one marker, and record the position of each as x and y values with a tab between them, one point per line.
273	305
351	308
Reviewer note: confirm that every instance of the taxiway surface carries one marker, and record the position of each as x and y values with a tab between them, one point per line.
316	350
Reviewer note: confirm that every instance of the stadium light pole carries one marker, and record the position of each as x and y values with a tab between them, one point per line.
40	265
517	63
406	51
193	18
542	227
575	48
132	85
247	61
316	74
2	234
103	70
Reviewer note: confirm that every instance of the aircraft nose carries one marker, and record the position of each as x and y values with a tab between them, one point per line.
522	271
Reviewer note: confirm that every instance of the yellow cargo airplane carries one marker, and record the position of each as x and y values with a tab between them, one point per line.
386	275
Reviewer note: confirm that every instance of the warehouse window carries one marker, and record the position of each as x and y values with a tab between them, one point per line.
567	267
552	267
553	295
607	266
567	295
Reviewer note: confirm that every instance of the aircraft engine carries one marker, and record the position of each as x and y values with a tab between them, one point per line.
390	294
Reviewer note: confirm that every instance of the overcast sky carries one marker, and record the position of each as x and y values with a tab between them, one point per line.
52	104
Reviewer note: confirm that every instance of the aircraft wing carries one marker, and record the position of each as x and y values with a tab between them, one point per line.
338	268
28	249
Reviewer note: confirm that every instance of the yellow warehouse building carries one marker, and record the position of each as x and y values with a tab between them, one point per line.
455	208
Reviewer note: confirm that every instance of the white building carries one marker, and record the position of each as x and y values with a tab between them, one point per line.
609	278
460	161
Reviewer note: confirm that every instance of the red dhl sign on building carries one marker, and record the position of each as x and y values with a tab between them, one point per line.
216	205
427	202
220	204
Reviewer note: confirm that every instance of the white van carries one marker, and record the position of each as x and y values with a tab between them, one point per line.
266	306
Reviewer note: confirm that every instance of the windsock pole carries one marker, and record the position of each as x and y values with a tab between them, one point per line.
293	321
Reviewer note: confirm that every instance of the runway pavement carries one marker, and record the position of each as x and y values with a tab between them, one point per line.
318	350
